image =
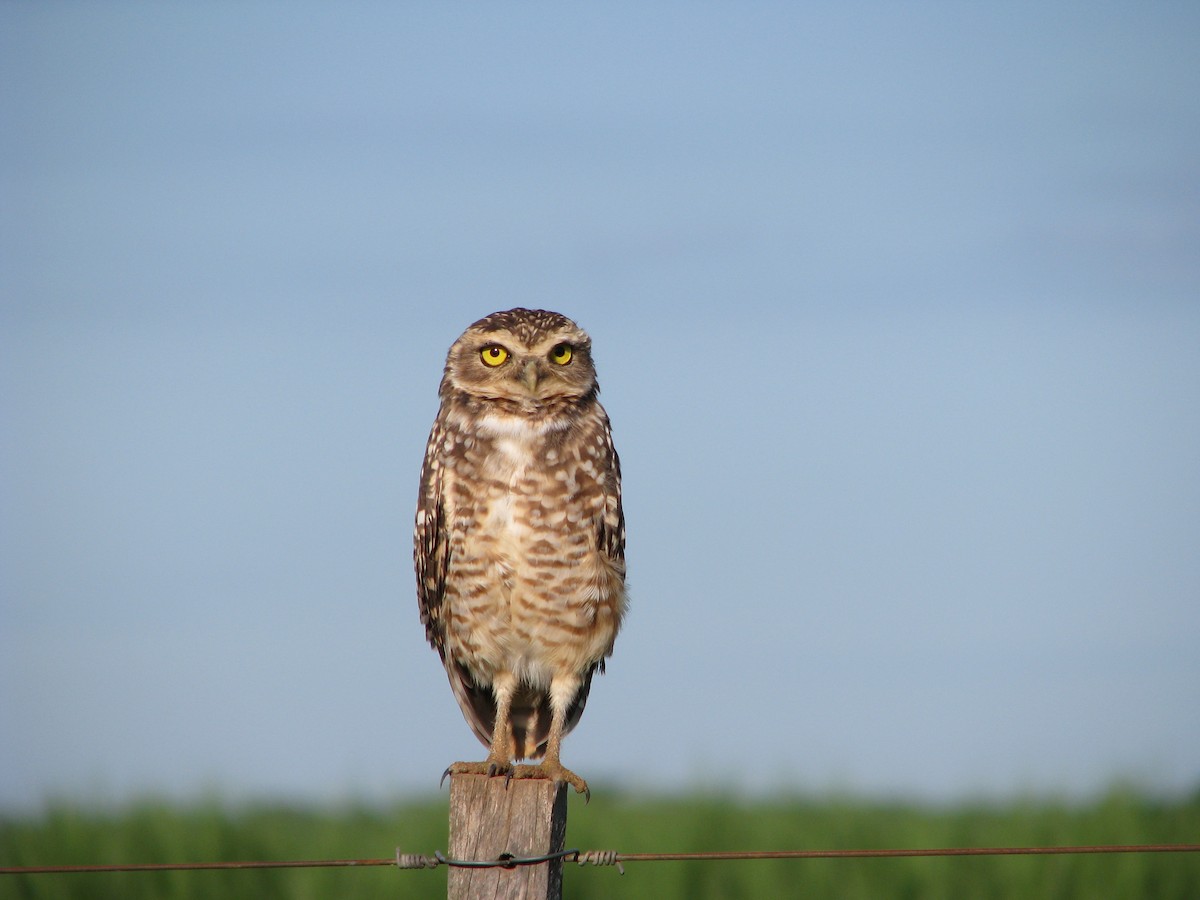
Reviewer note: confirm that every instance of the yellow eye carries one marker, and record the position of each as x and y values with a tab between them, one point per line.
493	355
561	354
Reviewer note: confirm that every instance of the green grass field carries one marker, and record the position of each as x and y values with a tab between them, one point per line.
157	832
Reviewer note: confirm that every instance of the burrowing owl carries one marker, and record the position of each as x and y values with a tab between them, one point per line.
520	539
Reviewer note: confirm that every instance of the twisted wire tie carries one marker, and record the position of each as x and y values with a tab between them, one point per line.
507	860
601	858
415	861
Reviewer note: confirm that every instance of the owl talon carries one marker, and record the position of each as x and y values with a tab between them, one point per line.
556	773
495	768
489	768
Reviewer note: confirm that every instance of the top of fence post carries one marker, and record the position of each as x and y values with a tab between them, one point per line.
489	818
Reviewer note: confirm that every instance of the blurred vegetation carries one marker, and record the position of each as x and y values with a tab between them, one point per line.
149	831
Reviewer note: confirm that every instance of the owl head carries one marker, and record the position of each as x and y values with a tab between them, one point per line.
530	357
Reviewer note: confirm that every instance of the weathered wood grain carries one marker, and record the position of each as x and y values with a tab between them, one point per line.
526	817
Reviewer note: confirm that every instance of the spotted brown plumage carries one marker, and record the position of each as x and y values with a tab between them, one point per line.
519	544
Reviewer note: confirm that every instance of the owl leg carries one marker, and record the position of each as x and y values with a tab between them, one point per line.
562	694
499	758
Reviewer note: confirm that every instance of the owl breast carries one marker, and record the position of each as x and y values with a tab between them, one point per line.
530	592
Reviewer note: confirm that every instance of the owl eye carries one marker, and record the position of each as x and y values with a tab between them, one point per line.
561	354
493	355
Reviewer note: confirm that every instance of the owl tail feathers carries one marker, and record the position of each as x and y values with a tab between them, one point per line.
529	717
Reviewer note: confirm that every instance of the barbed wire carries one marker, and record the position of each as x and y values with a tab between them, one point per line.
604	858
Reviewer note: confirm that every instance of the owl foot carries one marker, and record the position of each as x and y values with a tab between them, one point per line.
556	772
488	767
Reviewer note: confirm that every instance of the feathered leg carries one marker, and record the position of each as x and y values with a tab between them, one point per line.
500	756
562	694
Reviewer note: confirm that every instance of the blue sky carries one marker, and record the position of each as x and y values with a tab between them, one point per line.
896	312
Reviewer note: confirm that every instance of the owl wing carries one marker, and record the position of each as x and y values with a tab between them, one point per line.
431	542
611	536
610	541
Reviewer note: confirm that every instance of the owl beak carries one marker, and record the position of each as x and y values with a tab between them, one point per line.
529	377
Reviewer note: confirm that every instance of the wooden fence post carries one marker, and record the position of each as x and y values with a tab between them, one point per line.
526	817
